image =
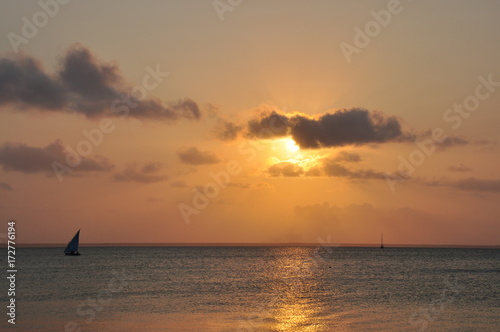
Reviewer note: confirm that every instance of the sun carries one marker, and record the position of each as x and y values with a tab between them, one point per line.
285	148
291	145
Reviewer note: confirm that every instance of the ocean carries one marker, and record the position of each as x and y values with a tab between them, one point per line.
256	289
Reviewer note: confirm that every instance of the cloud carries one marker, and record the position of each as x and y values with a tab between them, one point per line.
247	185
467	184
460	168
24	83
5	186
268	124
86	85
451	141
145	174
474	184
331	167
227	130
26	159
93	84
286	169
486	145
426	136
334	166
353	126
350	157
193	156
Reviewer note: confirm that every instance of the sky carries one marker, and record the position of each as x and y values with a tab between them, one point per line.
233	121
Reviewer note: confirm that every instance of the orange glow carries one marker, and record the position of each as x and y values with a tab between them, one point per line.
291	145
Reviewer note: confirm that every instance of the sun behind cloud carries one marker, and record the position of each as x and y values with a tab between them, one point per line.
290	145
283	147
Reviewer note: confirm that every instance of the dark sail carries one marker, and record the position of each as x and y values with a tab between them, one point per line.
72	247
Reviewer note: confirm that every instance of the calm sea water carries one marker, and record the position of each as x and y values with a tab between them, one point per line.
257	289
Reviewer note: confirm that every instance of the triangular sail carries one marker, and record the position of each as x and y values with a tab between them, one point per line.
73	244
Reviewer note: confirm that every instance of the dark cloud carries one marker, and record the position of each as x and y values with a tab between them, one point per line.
468	184
227	130
316	170
427	138
350	157
24	84
145	174
26	159
353	126
193	156
153	109
344	127
185	108
85	85
268	124
451	141
92	85
481	185
410	137
334	166
5	186
460	168
151	168
286	169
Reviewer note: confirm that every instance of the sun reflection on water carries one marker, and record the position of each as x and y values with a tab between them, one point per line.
295	317
295	309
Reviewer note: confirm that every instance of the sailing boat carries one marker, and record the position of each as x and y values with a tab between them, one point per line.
72	247
381	240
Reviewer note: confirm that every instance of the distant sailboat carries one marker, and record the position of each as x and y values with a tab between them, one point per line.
381	240
72	247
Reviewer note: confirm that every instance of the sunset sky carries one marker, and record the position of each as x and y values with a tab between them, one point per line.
251	121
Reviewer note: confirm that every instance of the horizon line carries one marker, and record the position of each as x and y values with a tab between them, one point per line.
252	244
